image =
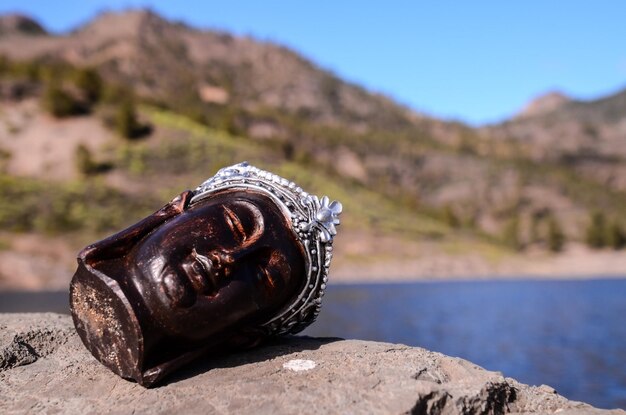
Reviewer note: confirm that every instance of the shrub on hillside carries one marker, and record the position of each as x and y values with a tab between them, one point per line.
597	231
86	164
5	157
126	123
450	218
61	207
59	102
30	70
84	160
511	234
616	237
4	65
89	82
115	93
556	237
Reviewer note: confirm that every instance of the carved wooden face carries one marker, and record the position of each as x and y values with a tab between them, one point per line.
225	260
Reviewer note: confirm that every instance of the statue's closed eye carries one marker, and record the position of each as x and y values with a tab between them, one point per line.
235	224
263	274
274	270
247	225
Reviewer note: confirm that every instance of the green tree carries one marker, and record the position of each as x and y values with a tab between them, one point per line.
84	160
450	218
90	84
5	157
126	123
597	231
4	65
511	233
616	237
114	94
58	102
535	228
556	237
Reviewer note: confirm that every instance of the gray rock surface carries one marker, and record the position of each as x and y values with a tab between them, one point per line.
44	368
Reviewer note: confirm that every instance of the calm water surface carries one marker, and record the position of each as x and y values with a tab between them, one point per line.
567	334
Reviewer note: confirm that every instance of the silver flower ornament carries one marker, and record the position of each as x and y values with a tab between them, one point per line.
326	218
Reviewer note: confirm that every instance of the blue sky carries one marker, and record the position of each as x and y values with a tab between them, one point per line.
475	61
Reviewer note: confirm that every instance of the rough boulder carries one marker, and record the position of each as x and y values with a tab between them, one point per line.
44	368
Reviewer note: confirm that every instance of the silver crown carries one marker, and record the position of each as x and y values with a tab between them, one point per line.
314	221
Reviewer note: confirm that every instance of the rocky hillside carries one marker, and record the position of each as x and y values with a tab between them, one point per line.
206	98
178	65
588	136
15	24
545	103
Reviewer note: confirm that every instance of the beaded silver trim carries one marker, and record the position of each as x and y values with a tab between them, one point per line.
314	223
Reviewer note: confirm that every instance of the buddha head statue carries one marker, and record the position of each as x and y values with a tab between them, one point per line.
242	257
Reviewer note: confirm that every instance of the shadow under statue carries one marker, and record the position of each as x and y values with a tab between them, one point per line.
242	258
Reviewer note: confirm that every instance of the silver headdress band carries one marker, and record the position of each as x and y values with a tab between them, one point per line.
313	221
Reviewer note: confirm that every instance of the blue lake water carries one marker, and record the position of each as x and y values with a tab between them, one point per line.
570	335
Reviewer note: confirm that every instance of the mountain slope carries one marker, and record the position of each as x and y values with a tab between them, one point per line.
16	24
545	103
587	136
506	183
164	59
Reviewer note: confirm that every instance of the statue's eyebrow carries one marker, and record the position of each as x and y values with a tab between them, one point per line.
237	227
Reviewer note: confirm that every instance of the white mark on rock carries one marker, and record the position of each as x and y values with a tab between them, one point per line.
299	365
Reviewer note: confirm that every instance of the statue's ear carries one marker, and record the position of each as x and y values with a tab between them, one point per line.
180	202
120	243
